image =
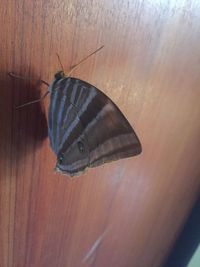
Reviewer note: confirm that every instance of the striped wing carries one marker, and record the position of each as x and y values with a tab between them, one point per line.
86	128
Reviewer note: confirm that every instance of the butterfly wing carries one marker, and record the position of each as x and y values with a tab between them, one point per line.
86	128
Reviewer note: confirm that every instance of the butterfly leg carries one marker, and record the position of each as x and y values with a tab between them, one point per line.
34	101
29	78
13	75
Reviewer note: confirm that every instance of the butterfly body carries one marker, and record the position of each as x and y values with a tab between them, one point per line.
85	127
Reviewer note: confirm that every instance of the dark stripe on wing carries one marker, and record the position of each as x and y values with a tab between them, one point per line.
124	152
115	143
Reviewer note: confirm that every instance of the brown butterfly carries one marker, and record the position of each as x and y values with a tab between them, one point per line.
86	129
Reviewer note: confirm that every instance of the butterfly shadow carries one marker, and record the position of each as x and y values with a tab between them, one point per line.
23	130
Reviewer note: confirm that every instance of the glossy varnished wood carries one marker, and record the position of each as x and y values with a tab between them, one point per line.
126	213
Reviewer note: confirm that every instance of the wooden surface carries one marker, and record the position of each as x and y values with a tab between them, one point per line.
127	213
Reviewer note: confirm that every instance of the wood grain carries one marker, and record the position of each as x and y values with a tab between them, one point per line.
126	213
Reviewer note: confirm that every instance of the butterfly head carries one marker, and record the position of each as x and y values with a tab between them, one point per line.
59	75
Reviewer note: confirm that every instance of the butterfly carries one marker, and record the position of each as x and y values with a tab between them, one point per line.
85	127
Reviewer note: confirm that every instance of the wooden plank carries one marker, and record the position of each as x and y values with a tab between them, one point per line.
127	213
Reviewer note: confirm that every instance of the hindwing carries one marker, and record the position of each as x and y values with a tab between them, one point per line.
86	128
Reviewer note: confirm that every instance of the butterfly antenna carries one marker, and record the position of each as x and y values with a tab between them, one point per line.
34	101
60	62
84	59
